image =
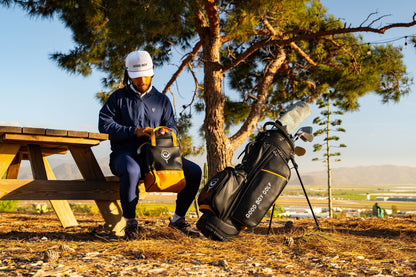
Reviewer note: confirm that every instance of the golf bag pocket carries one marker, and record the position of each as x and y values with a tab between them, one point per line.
260	192
163	162
215	201
219	192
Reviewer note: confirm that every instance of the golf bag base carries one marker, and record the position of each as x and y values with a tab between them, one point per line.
214	228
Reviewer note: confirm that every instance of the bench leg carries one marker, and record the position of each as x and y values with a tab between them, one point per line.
42	171
90	170
61	207
7	155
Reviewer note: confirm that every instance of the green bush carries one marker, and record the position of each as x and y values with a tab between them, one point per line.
278	211
84	208
394	210
151	211
43	208
8	205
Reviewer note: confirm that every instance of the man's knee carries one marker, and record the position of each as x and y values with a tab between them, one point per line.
192	171
125	165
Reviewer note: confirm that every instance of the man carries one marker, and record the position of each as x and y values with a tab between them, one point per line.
127	117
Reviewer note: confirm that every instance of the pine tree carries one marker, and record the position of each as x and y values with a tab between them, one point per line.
328	125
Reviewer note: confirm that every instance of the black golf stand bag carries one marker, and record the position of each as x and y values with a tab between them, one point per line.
239	197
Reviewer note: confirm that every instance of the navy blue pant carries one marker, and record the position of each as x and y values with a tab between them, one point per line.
125	166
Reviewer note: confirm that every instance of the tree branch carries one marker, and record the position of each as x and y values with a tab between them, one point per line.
368	17
381	30
254	47
287	41
268	25
302	53
187	60
263	89
196	88
292	44
377	19
345	50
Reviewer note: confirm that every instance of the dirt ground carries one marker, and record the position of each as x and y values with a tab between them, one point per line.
36	245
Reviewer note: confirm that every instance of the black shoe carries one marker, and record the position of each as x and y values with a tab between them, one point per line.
131	231
184	227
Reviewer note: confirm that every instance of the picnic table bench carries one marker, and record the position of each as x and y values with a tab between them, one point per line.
35	144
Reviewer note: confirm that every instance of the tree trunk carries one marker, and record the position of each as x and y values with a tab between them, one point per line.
219	151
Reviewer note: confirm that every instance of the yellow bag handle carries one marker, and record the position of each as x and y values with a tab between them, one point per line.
163	128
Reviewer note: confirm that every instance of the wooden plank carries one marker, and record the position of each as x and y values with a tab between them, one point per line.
7	153
36	162
99	136
10	129
86	162
45	140
24	189
14	167
47	150
56	133
77	134
91	171
61	207
33	131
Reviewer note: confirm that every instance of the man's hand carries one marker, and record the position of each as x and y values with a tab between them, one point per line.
160	132
140	132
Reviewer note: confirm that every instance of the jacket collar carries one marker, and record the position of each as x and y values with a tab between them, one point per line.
140	94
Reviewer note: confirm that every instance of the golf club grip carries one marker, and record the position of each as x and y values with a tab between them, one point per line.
294	116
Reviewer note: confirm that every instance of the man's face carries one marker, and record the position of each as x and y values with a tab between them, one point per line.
142	83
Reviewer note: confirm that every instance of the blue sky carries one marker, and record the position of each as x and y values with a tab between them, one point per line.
36	92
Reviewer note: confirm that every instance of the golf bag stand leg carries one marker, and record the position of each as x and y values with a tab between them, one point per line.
307	199
271	218
304	191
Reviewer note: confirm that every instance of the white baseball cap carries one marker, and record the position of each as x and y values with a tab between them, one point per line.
139	64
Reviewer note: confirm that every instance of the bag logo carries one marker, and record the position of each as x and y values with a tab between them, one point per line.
212	184
165	154
259	199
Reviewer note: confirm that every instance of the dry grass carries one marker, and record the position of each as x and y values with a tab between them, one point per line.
36	245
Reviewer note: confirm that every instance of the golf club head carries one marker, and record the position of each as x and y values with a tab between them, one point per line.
306	137
300	151
296	136
307	129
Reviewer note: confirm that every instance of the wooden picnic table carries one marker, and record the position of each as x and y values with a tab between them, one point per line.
35	144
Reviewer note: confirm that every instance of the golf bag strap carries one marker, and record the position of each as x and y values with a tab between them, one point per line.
278	126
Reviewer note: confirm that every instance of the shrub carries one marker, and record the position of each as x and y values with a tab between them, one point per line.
151	211
278	211
84	208
8	205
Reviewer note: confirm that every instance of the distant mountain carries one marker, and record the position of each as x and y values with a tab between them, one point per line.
383	175
65	170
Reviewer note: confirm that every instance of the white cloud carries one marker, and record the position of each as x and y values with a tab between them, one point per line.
13	123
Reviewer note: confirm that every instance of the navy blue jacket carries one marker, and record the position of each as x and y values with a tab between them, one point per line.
125	111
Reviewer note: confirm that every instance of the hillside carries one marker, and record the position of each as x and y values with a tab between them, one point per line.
384	175
64	170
